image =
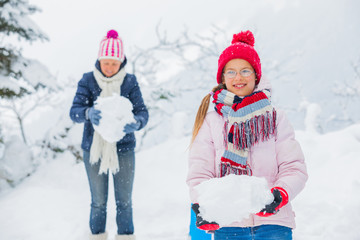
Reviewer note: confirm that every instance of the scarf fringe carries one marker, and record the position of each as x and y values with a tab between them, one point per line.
227	168
105	153
248	133
225	133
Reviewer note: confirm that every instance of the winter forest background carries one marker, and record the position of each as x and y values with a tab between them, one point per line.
310	52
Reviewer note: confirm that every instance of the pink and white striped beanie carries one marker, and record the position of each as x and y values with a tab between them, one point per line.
111	47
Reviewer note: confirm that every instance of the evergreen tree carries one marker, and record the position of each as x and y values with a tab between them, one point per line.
14	22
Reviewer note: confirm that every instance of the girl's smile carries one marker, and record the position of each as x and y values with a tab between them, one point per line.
239	86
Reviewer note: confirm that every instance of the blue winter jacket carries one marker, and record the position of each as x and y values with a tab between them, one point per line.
87	92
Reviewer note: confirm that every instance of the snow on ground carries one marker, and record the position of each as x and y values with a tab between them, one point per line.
329	206
54	202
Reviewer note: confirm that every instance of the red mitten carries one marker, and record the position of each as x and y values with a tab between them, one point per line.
201	223
281	198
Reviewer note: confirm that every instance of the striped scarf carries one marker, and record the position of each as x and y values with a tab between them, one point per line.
251	119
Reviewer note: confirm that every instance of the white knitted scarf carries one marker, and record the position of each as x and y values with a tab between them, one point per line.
101	149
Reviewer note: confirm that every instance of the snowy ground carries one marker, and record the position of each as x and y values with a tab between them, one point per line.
54	202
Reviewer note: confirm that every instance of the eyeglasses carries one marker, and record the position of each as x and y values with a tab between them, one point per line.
232	74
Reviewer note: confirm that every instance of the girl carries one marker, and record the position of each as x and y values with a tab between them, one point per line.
100	156
246	135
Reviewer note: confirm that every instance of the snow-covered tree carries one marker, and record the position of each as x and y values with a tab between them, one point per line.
25	84
15	26
174	74
20	76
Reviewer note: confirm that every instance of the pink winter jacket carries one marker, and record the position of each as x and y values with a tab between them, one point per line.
279	160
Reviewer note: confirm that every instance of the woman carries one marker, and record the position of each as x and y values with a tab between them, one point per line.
109	77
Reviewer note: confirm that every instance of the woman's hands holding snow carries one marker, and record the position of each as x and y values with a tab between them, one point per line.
116	113
132	127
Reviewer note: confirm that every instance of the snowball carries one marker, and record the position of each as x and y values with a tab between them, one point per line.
116	112
232	198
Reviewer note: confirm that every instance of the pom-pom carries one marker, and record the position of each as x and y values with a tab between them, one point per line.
245	37
112	34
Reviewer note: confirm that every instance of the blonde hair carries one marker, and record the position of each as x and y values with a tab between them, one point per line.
202	111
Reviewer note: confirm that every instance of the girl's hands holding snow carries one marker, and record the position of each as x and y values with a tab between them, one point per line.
281	198
201	223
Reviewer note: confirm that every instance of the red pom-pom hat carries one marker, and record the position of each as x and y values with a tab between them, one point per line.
242	46
111	47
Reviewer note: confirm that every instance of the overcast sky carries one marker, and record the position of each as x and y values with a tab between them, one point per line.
75	28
